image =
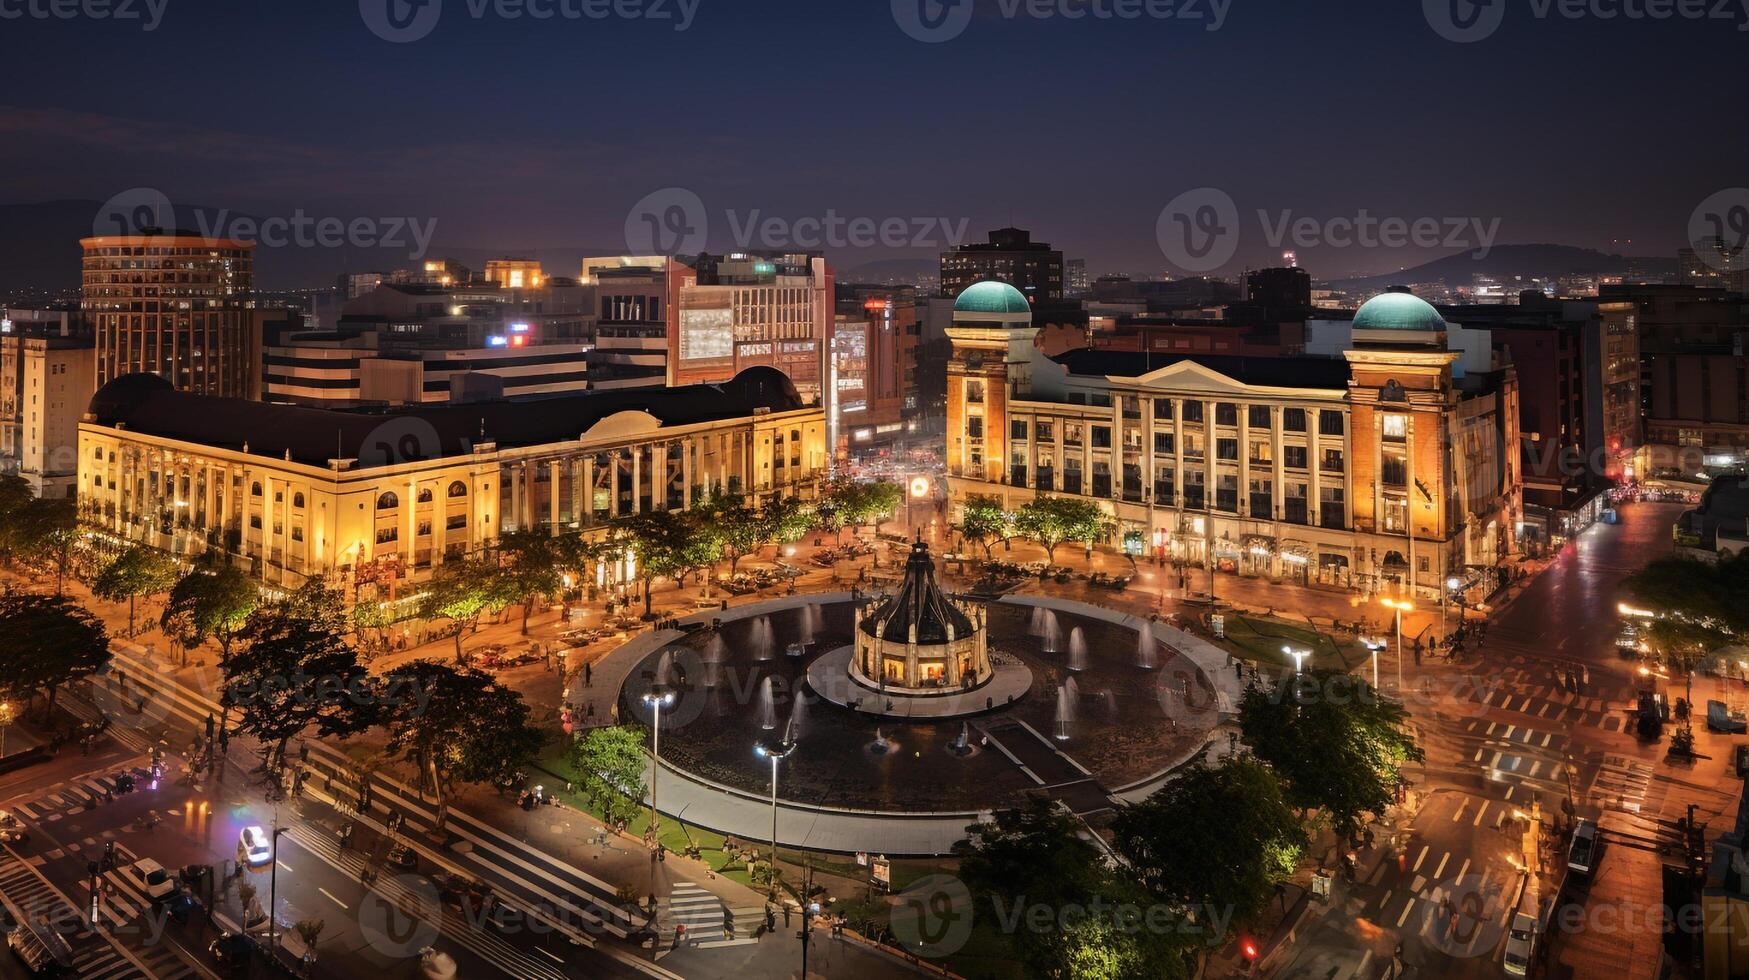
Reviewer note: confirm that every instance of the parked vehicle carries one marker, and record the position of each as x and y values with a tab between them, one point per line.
1582	853
1720	719
1520	945
403	857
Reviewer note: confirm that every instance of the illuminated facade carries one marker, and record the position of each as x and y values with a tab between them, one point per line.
1364	471
746	310
173	305
515	273
301	492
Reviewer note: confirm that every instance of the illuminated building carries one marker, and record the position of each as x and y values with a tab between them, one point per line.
1010	256
406	343
300	492
48	369
514	273
749	309
635	296
172	304
1358	471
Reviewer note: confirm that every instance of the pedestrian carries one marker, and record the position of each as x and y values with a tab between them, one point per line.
588	674
786	913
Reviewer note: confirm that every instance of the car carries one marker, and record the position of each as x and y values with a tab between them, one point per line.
254	848
14	836
1582	853
1628	642
403	858
181	907
154	879
1520	945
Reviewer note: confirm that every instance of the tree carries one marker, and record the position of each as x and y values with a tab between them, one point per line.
528	568
297	671
662	543
138	571
610	766
310	930
45	642
1035	856
742	529
1338	747
15	494
786	519
459	592
1213	839
456	724
212	601
857	504
48	532
1052	520
985	522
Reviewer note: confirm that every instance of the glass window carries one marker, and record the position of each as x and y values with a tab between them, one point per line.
1259	417
1396	426
1293	419
1226	413
388	501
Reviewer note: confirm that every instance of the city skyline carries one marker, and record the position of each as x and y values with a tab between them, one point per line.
1293	114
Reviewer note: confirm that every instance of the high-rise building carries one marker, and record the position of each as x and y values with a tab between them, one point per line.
1712	262
635	299
1280	290
1075	281
47	374
1010	256
172	304
750	309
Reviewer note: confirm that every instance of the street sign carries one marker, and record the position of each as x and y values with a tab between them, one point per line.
883	871
1218	623
862	859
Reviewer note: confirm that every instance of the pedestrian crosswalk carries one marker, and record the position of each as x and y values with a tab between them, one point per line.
93	957
474	933
1534	738
59	802
698	911
1626	785
1556	707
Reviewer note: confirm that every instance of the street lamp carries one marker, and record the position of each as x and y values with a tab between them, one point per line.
273	891
1401	606
1374	646
656	702
776	752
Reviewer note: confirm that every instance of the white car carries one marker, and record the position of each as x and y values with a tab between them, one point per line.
154	879
254	847
1520	945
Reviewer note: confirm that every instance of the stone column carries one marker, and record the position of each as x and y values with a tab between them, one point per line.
637	479
554	484
588	518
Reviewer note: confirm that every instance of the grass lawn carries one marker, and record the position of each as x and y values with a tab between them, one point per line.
1260	641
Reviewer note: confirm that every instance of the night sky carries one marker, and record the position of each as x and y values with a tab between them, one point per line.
520	134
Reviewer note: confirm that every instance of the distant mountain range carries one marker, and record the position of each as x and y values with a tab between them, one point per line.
39	254
1504	262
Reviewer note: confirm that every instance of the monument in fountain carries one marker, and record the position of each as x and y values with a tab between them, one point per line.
920	642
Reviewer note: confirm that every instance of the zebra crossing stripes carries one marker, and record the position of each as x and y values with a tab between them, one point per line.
473	935
1623	784
698	910
58	802
93	958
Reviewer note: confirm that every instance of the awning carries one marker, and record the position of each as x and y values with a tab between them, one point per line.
1257	544
1296	551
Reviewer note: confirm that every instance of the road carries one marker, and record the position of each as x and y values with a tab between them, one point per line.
1537	718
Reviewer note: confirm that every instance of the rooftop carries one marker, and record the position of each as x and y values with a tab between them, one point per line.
147	404
1275	372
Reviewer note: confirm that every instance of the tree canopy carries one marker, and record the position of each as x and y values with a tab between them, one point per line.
45	642
1050	521
1698	606
610	765
1215	840
456	724
212	601
1338	747
528	568
460	591
984	521
137	571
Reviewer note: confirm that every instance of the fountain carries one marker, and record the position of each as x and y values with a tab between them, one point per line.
1147	657
962	743
811	621
715	652
1067	695
793	729
1052	634
760	638
881	744
920	642
1077	650
767	710
662	676
1108	698
1036	625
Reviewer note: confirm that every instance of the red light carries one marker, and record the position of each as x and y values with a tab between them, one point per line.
877	304
1249	948
519	341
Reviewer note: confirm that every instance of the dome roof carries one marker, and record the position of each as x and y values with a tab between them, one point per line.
919	602
991	296
1398	311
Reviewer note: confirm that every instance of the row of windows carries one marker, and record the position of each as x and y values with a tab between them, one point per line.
390	500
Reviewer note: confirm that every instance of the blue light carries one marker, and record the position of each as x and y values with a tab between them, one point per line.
519	328
496	341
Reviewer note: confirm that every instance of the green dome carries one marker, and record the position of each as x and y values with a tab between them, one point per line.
1397	311
991	297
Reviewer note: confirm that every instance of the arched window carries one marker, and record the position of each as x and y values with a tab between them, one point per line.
425	495
458	489
254	489
388	501
97	453
297	500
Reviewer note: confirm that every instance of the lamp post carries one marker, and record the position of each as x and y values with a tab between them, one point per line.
656	702
6	714
1374	646
273	891
1400	606
776	752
